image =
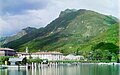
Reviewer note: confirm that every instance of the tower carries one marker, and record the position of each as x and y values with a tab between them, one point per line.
26	49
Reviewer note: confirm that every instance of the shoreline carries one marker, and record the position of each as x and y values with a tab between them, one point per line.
50	65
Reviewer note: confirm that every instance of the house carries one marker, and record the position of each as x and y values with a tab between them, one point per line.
69	57
7	52
23	55
73	57
17	61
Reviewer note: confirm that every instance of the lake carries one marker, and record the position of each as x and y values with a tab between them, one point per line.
82	69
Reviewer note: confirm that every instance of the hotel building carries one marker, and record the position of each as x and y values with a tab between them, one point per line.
43	55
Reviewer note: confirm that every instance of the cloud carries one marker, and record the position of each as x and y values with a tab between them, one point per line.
13	23
20	6
18	14
106	6
5	28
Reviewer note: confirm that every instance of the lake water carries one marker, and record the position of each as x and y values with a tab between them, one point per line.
82	69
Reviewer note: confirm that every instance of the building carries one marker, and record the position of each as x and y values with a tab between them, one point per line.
73	57
23	54
17	61
48	55
7	52
43	55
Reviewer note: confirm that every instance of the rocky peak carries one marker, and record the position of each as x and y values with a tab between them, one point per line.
28	29
62	13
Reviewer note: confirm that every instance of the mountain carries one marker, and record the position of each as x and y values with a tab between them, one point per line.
67	11
72	30
20	34
2	39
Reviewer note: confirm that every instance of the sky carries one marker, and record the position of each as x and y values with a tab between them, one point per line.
18	14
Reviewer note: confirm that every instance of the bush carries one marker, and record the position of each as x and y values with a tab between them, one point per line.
3	59
37	60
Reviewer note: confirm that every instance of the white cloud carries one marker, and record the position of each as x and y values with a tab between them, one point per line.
106	6
4	27
14	23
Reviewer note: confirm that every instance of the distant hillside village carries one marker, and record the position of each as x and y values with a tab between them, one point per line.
51	56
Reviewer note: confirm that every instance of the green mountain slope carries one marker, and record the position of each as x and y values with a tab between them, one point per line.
110	36
20	34
24	39
72	30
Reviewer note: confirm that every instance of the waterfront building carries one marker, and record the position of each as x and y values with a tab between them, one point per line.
23	54
73	57
48	55
7	52
42	55
16	61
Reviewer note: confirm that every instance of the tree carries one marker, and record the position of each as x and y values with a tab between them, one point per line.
100	55
3	59
104	51
97	54
106	46
77	51
106	55
37	60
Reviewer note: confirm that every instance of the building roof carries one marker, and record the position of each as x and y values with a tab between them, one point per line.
71	56
54	53
15	59
24	53
3	49
40	53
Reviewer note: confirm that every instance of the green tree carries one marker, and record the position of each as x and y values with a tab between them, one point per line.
3	59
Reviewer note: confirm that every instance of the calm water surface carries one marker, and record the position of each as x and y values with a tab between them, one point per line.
83	69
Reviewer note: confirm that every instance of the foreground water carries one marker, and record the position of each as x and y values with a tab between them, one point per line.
82	69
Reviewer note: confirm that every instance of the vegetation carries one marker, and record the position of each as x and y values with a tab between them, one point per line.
3	59
37	60
105	54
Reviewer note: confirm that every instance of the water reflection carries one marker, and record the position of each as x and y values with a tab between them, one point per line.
83	69
12	71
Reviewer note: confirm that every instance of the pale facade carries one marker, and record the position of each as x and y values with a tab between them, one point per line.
72	57
43	55
23	54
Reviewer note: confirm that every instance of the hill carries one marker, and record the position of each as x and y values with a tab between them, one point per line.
72	30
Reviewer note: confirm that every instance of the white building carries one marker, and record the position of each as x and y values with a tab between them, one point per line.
43	55
23	54
72	57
